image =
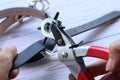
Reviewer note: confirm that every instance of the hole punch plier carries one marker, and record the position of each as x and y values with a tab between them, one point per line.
67	52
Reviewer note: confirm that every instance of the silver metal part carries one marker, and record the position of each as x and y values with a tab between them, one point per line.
59	41
64	54
50	55
81	51
74	68
47	33
47	27
33	4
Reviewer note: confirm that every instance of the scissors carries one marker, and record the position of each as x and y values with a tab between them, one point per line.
68	52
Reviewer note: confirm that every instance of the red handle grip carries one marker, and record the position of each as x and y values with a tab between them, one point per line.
85	75
94	51
98	52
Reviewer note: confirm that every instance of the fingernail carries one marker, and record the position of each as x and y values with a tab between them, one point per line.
109	65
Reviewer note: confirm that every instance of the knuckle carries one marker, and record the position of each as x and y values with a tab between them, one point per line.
6	60
7	57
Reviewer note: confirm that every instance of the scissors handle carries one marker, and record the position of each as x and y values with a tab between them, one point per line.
93	51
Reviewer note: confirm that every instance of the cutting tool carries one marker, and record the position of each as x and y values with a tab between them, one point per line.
68	52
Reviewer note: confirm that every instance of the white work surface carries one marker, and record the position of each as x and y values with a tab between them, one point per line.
72	13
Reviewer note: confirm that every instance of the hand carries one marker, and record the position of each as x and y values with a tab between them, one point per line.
95	69
113	63
98	68
7	56
110	68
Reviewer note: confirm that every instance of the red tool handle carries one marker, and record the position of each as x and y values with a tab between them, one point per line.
93	51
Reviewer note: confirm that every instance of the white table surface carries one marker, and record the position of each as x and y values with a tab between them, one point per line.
72	13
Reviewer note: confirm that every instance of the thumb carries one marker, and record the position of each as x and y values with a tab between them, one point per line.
114	57
6	58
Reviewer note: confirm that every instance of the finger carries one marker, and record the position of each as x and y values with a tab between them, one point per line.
71	77
113	62
13	74
97	68
7	56
10	50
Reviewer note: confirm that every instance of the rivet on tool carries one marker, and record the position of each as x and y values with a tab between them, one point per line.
64	54
59	41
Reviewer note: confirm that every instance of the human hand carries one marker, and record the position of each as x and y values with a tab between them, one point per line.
113	64
7	56
110	68
97	69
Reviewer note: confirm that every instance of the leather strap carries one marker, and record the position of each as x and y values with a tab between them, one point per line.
12	15
6	23
32	53
93	24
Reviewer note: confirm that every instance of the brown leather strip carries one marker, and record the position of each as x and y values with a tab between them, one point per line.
22	11
6	23
11	13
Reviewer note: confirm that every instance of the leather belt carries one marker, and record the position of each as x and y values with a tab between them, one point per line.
93	24
13	15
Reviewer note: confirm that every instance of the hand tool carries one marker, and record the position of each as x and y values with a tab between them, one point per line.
68	52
